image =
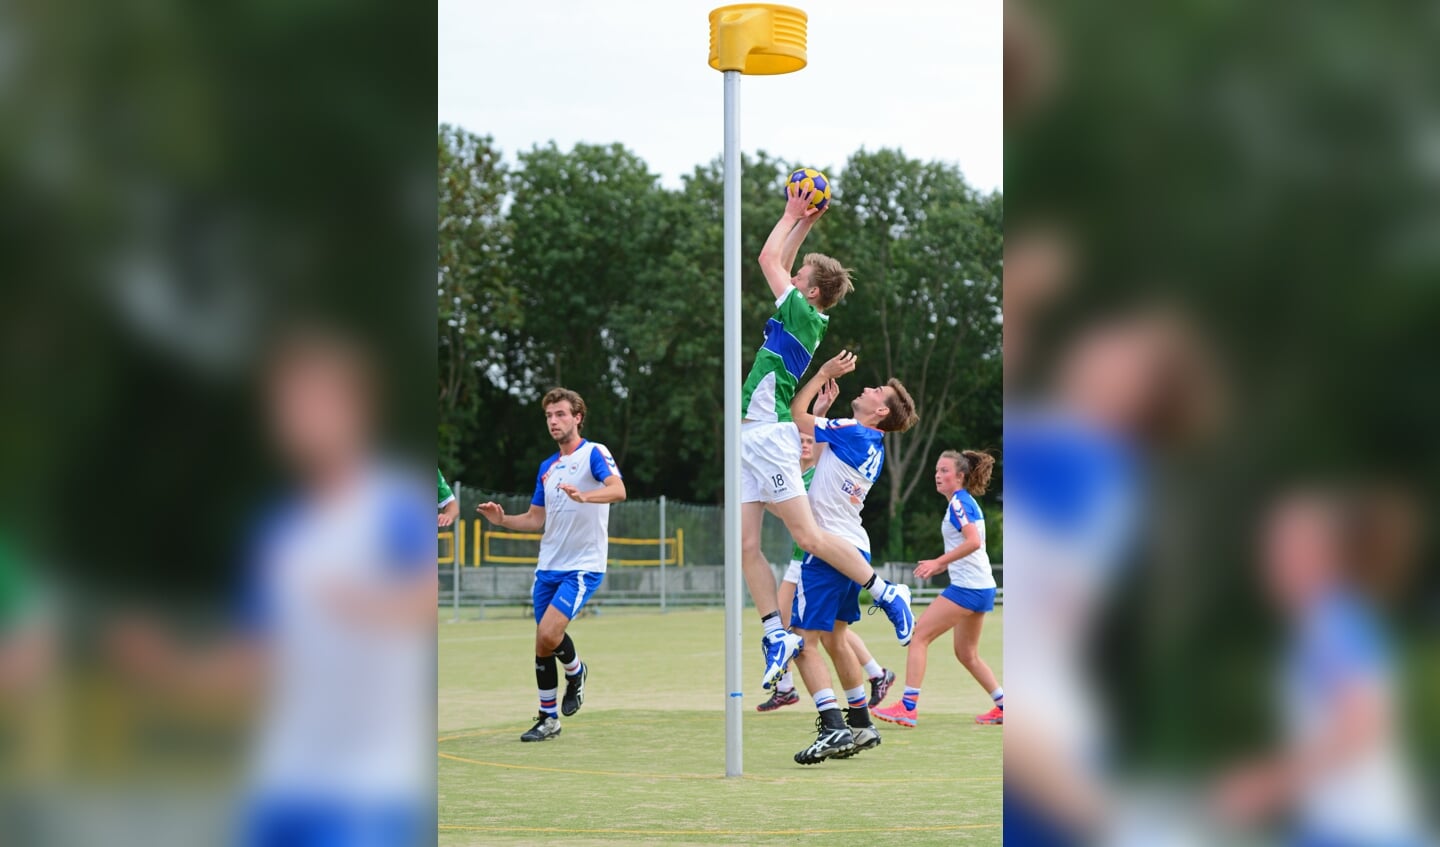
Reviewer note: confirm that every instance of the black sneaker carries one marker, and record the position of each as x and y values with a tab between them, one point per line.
864	736
777	699
880	686
829	742
574	691
545	728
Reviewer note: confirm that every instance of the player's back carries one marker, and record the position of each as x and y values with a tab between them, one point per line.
791	336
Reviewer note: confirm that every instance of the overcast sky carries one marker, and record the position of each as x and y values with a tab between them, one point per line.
922	76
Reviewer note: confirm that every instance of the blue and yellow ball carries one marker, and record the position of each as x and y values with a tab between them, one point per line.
809	179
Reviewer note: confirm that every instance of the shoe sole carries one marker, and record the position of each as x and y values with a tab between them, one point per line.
777	707
896	721
990	723
580	697
555	734
856	749
836	753
774	672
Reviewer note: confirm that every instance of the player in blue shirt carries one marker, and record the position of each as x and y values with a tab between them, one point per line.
826	600
573	493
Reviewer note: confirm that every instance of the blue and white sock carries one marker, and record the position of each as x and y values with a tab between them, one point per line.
910	697
825	699
856	697
547	702
998	695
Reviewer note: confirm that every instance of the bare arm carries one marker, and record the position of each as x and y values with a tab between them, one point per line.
612	492
784	241
931	567
230	668
837	367
531	521
449	513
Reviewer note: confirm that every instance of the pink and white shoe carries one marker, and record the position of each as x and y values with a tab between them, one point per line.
897	714
994	716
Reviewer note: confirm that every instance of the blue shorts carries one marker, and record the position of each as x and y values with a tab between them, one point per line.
974	599
565	590
279	821
823	596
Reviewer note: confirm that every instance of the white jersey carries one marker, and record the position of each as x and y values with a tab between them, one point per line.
843	476
577	535
347	714
972	571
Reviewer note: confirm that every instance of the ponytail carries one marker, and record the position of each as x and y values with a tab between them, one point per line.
975	466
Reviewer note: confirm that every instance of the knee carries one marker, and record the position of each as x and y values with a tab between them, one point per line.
968	656
546	640
806	537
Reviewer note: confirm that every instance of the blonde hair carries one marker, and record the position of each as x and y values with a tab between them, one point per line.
832	278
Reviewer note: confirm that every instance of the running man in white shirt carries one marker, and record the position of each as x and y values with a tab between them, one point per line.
573	493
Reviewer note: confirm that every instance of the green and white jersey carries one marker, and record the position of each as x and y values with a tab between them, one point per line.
791	337
796	554
445	495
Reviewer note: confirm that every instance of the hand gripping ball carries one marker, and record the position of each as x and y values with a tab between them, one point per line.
809	179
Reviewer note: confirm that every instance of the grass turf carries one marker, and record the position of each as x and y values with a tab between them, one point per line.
644	761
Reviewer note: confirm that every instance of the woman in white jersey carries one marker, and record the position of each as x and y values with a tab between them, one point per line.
959	476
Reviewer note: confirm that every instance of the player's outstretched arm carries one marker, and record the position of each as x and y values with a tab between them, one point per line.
777	257
837	367
531	521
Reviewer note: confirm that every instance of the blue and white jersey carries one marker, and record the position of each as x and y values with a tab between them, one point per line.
843	476
972	571
577	535
1340	647
349	714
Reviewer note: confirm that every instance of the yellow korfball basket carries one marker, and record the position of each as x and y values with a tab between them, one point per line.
757	38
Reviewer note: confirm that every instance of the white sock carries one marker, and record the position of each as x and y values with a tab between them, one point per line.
873	670
856	698
825	699
877	587
547	702
772	624
573	668
998	695
786	684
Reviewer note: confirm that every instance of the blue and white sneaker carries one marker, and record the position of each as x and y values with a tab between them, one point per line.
780	647
895	602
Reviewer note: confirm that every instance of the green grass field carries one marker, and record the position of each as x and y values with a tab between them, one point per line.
644	760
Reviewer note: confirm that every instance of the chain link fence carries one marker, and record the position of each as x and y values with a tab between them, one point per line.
662	552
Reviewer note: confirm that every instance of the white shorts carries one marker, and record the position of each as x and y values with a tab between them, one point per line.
770	463
792	573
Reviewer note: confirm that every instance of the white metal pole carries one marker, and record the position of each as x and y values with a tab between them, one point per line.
457	535
662	553
734	584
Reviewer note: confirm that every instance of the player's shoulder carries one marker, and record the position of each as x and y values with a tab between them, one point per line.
964	502
549	461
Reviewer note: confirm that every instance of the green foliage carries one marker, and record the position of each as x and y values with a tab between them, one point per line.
578	268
